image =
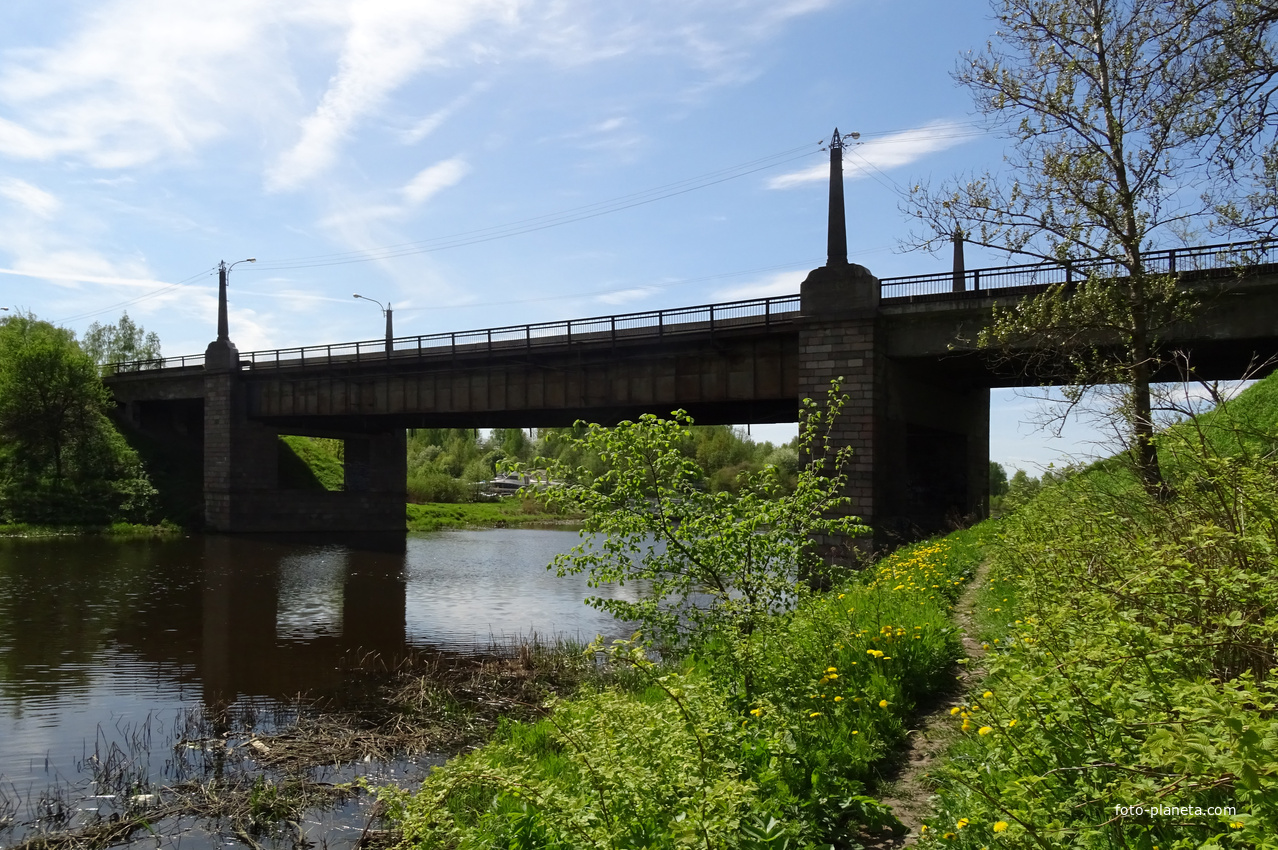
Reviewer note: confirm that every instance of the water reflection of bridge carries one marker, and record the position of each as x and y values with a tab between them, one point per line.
253	641
268	616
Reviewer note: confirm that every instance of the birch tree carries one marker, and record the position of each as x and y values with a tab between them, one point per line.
1105	109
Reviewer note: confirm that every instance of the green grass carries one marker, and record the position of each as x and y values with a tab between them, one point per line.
507	512
311	463
115	529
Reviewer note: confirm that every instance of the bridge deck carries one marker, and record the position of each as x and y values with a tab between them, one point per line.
1190	264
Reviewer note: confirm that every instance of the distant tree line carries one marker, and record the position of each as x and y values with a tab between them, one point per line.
446	464
1007	494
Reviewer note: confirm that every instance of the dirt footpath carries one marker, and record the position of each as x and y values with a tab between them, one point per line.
908	790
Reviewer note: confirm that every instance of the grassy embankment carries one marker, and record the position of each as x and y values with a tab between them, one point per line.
1131	691
695	751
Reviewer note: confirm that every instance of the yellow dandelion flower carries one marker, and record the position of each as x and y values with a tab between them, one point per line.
1011	723
954	710
832	669
962	822
883	703
1000	826
757	712
838	699
987	695
815	714
985	730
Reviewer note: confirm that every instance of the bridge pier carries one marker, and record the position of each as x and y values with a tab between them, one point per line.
242	491
920	442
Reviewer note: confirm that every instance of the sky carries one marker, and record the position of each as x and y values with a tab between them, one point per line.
474	163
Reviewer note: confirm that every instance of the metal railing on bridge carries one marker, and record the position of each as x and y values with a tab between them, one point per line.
651	324
1225	258
1182	261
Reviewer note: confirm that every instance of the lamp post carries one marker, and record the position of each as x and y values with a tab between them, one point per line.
221	353
387	312
223	272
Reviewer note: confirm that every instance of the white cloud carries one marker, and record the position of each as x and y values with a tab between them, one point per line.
139	80
430	181
68	273
891	151
424	127
781	283
386	44
626	296
31	198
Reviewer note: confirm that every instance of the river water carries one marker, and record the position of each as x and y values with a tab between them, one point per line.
103	641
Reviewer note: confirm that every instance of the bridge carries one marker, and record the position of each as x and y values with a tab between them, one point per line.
918	389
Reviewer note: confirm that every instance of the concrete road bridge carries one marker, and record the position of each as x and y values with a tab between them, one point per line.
918	412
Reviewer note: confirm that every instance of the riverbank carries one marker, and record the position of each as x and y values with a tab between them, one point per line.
121	530
789	748
262	779
509	512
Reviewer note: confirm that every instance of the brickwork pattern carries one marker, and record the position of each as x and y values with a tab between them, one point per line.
846	349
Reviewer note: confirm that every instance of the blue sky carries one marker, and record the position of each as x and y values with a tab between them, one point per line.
343	142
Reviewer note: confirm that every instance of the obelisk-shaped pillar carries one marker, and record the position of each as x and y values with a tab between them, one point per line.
838	340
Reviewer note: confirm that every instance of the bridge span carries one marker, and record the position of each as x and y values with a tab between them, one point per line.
917	416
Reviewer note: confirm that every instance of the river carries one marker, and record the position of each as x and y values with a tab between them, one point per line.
106	642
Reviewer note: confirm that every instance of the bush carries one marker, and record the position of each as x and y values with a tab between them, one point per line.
434	486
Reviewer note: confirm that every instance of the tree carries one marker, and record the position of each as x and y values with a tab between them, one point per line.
61	460
121	342
998	480
1242	68
1106	107
51	397
719	563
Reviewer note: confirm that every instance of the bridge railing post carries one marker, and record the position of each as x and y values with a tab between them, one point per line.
490	342
712	320
976	280
453	341
528	337
661	323
1171	261
613	322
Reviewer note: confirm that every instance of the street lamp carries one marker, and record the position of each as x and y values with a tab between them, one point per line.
223	272
387	312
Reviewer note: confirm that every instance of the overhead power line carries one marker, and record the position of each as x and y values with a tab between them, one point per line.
548	220
130	302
